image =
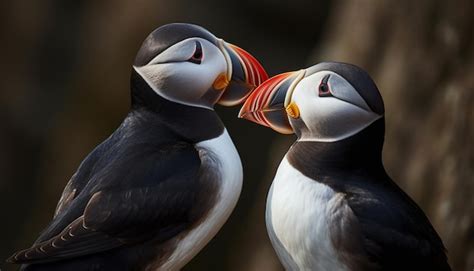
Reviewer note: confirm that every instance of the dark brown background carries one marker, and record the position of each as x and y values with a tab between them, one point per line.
65	78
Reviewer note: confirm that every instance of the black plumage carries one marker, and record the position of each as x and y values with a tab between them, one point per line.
161	186
331	186
383	229
358	78
143	185
166	36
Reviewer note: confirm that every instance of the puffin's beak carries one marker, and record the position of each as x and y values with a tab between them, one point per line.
270	103
244	74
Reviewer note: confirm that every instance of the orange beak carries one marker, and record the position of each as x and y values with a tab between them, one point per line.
245	74
270	103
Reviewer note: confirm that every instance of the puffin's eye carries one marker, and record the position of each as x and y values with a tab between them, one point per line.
197	56
323	88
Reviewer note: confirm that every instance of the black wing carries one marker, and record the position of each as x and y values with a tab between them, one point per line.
147	194
86	170
380	228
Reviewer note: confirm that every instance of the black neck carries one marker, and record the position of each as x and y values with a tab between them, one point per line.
360	154
193	124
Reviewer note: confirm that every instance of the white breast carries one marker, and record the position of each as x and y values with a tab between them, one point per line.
231	184
297	218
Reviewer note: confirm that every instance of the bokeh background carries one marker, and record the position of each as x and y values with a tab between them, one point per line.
65	87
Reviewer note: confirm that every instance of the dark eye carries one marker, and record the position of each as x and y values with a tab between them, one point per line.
197	56
323	88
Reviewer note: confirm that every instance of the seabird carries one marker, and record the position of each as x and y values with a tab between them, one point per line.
332	205
154	193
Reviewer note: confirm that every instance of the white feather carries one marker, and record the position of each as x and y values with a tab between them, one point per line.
298	212
230	186
330	119
181	81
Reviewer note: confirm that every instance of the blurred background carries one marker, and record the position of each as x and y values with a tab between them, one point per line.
65	87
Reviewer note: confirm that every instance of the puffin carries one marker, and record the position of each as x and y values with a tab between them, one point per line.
331	205
156	191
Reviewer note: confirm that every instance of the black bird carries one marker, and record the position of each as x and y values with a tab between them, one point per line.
332	206
153	194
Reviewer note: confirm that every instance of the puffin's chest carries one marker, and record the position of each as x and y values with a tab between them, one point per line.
220	158
299	220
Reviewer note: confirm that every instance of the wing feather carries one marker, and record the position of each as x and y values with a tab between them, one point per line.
156	199
372	232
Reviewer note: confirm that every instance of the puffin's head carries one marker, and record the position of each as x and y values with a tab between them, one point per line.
327	102
186	64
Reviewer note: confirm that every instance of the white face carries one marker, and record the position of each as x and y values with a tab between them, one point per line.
328	118
176	76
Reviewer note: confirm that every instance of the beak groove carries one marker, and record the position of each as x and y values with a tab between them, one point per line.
245	74
254	71
266	104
